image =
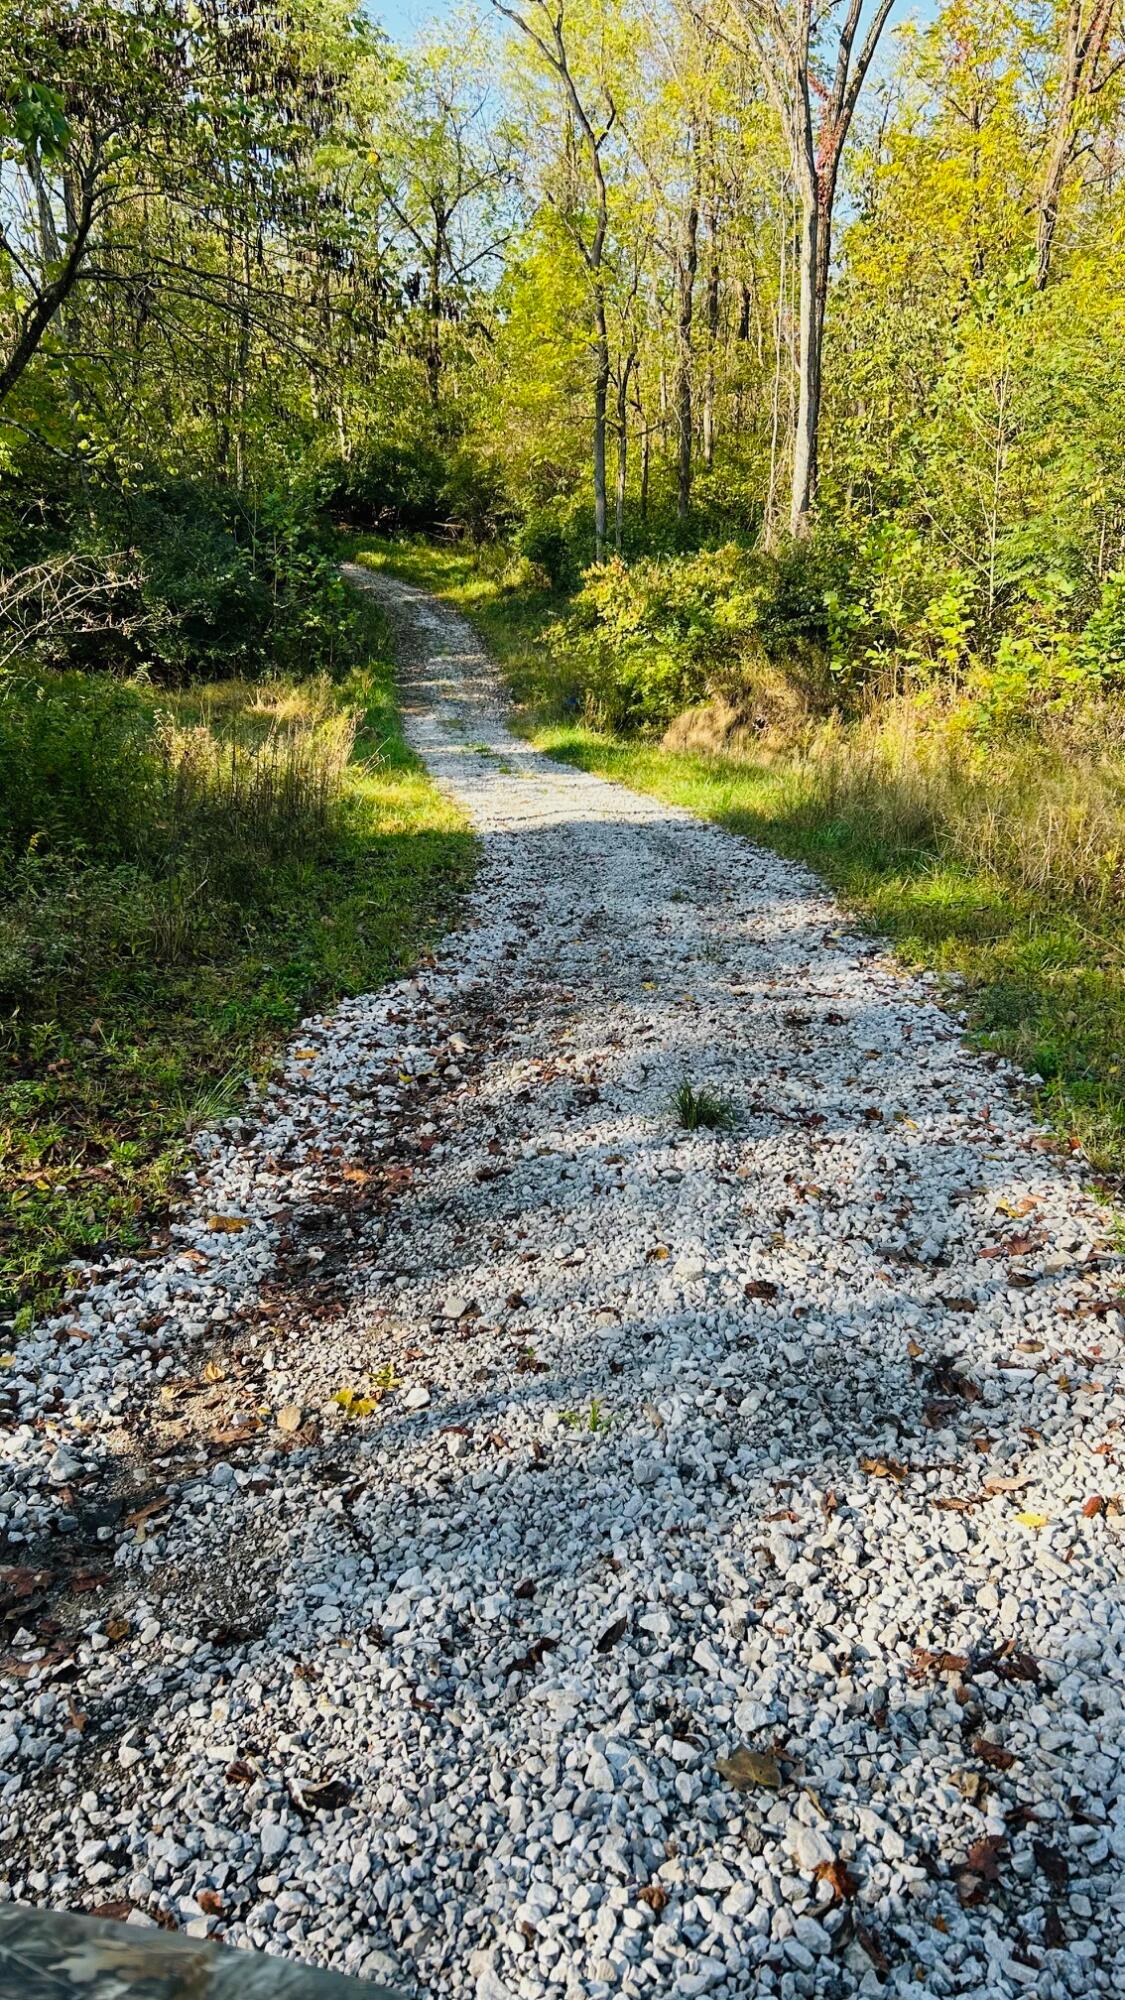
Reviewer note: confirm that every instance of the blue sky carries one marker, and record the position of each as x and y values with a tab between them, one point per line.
402	18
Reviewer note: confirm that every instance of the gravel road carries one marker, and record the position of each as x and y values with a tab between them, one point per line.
504	1544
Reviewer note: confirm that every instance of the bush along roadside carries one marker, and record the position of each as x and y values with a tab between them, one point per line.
185	875
983	837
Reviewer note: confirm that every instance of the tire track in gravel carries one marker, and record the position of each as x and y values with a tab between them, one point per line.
800	1441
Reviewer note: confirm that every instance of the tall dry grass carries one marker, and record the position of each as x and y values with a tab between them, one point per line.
1044	812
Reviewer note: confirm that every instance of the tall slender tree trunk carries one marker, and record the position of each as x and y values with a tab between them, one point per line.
1084	45
712	338
601	405
687	265
433	309
810	329
622	458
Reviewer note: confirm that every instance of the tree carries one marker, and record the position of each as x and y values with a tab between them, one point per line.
816	116
594	113
443	169
1084	69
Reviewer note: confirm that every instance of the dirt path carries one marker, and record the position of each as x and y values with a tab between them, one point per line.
507	1544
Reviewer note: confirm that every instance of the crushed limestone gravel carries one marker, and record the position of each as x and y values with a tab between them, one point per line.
504	1544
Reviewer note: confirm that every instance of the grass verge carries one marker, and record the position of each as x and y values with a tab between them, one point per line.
185	876
944	871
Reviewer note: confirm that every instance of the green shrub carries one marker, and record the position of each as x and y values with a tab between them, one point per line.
1100	652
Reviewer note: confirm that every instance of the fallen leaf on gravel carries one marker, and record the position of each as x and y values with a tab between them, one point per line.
839	1878
759	1288
289	1417
525	1590
533	1657
326	1794
1031	1520
1054	1936
117	1629
1012	1485
926	1662
959	1305
654	1896
984	1856
745	1769
228	1225
214	1372
18	1584
116	1911
1053	1864
981	1867
1009	1665
612	1634
874	1950
993	1754
884	1468
971	1786
657	1254
945	1379
1092	1507
210	1902
239	1773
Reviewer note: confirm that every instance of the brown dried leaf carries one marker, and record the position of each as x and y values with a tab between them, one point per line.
885	1468
985	1855
228	1225
841	1881
612	1634
993	1754
759	1288
210	1902
874	1950
926	1662
534	1657
654	1896
1054	1936
1053	1864
326	1794
745	1769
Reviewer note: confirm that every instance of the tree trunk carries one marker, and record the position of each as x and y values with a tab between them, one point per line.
622	461
712	340
433	306
1081	57
810	331
687	264
601	402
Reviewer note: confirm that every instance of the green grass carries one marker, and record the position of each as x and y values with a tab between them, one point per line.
291	851
1043	969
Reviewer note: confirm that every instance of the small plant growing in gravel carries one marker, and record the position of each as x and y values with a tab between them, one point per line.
702	1110
596	1418
360	1402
